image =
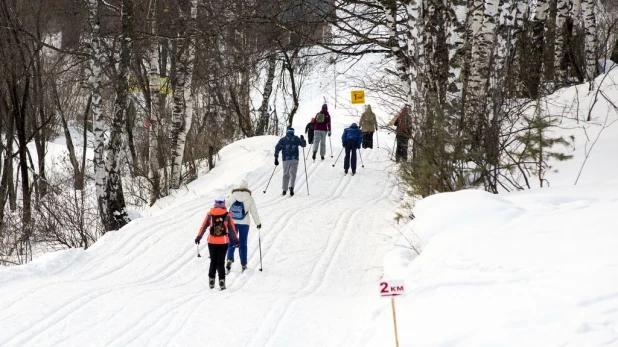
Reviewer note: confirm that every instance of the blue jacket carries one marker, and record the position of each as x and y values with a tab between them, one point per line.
288	145
353	133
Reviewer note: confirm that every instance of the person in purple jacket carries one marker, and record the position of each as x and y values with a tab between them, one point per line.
321	128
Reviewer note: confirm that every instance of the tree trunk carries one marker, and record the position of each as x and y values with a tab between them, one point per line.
117	216
560	64
183	97
268	89
590	27
94	80
153	108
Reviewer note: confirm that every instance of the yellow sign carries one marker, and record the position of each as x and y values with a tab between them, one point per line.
358	96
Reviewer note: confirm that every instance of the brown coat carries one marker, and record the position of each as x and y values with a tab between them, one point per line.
368	122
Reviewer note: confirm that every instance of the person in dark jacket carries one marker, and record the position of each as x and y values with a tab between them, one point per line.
309	131
219	224
321	128
352	138
288	146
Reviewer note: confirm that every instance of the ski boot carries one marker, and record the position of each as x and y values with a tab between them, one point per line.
244	267
284	192
222	284
291	191
228	266
211	283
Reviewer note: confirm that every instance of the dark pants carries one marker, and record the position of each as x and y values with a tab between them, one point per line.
217	260
368	139
310	137
402	148
243	233
350	153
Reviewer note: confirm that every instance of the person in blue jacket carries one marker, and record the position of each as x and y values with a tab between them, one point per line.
288	146
352	138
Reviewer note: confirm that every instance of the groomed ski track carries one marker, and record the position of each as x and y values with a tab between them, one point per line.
143	285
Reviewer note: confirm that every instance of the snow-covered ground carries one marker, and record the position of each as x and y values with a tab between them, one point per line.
532	268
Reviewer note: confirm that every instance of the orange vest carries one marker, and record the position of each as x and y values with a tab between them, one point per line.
229	225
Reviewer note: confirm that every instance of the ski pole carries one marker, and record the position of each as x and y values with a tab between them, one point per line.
361	156
198	251
310	147
260	245
338	157
331	146
271	177
378	137
306	177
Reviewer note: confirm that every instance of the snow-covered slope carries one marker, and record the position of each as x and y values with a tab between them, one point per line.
144	285
532	268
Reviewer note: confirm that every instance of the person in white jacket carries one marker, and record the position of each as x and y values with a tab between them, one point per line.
240	204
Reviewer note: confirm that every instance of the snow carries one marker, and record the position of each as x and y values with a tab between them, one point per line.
531	268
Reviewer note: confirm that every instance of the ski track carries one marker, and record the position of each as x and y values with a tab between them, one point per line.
90	282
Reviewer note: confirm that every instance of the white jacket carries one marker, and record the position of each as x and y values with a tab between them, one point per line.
244	195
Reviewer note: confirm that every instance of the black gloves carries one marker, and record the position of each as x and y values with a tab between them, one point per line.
302	137
329	134
259	226
197	240
276	161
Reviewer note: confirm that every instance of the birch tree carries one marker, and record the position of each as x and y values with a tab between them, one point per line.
95	60
264	116
588	8
560	65
154	101
183	95
117	216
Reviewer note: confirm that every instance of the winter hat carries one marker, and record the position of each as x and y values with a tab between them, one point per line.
368	107
325	107
243	184
220	201
312	119
354	125
290	131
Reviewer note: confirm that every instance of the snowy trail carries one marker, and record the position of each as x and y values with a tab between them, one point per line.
144	285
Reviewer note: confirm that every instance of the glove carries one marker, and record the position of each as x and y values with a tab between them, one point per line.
259	226
236	244
302	137
197	240
276	161
329	133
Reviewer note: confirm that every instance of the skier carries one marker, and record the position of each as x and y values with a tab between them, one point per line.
288	145
321	129
402	137
241	203
368	125
351	139
309	130
221	224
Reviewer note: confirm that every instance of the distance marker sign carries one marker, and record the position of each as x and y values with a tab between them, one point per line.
358	97
392	288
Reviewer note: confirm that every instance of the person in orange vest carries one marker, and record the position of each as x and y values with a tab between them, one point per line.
220	225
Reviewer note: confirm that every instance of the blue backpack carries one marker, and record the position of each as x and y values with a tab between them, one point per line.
238	210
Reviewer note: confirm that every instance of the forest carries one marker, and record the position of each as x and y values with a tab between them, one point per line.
155	88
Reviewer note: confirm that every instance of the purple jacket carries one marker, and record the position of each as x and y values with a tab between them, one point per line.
326	125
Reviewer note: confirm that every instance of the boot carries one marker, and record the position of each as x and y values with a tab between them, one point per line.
284	192
291	191
313	156
322	157
211	282
222	284
228	266
244	267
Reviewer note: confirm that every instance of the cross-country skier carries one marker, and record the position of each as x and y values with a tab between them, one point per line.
309	130
368	125
220	225
288	146
240	204
351	139
321	129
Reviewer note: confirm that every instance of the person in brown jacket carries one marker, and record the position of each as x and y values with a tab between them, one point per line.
368	125
220	225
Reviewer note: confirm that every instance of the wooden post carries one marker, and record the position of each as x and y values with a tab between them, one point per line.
394	321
